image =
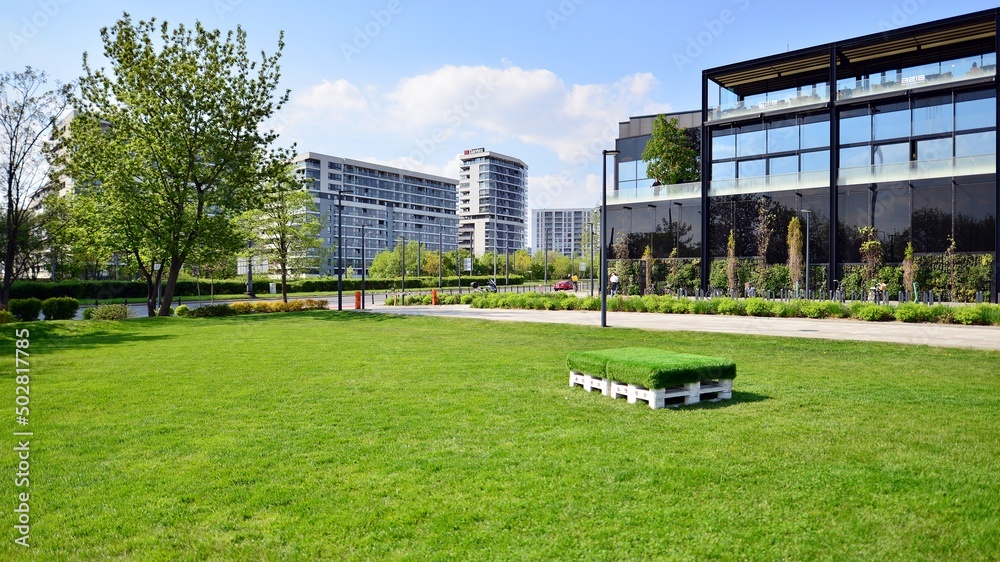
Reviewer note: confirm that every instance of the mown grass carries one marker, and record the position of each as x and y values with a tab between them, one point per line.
318	435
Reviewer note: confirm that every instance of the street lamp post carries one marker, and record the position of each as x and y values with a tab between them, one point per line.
807	212
340	248
591	264
653	207
363	264
604	237
440	255
250	292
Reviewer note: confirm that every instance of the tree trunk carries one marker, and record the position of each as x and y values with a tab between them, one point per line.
284	290
168	290
150	295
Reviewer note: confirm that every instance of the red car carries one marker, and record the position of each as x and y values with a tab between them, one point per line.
564	285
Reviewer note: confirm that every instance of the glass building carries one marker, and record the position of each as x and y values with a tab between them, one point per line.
386	205
895	131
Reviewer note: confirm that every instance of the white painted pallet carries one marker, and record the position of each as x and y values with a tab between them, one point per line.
657	397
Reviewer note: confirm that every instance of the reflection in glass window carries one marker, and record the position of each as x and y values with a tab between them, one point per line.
783	165
783	138
640	169
935	149
975	144
975	223
932	115
855	157
626	171
975	110
723	171
931	218
891	121
815	161
750	141
723	144
751	168
855	126
892	153
815	134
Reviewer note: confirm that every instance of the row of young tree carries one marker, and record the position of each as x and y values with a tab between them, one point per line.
425	261
165	158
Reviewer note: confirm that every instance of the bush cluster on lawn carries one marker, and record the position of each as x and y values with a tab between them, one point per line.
6	317
25	310
108	312
981	314
60	308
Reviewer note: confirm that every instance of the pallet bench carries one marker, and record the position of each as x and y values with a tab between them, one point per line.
655	376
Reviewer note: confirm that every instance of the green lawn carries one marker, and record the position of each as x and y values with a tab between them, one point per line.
311	436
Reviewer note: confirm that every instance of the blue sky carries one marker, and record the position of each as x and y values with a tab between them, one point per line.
413	83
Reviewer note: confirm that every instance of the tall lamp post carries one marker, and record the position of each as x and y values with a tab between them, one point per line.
250	292
807	212
364	264
340	248
591	265
653	207
604	237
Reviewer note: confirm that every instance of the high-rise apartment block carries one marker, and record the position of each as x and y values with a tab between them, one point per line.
492	202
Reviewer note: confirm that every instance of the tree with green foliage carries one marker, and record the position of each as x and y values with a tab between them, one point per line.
28	114
169	141
731	263
671	153
871	255
286	228
910	269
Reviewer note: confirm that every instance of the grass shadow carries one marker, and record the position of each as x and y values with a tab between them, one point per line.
738	398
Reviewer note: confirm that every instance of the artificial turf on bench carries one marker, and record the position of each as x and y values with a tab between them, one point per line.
649	367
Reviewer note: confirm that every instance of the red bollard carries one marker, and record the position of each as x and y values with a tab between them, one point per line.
357	300
434	297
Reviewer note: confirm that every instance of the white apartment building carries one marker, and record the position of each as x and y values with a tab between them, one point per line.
560	230
391	205
492	202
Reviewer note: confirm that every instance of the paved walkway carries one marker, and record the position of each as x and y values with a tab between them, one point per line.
941	335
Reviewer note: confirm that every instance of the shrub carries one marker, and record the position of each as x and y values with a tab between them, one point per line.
872	312
211	311
428	300
466	299
591	303
758	307
915	312
316	304
110	312
571	303
60	308
701	307
181	311
731	307
6	317
25	310
979	314
242	307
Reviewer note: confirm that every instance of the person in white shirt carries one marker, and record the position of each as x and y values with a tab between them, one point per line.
613	280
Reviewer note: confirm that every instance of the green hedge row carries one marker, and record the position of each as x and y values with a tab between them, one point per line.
90	290
55	308
979	314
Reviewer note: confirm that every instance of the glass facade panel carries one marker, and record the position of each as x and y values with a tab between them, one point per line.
976	144
891	121
932	217
751	141
751	168
892	153
782	137
934	149
855	126
626	171
933	115
890	211
815	134
975	221
783	165
640	169
723	171
723	144
975	110
815	161
855	157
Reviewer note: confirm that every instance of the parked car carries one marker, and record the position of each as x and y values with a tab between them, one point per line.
564	285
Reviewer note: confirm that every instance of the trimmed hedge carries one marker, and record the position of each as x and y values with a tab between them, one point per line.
60	308
651	368
25	310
